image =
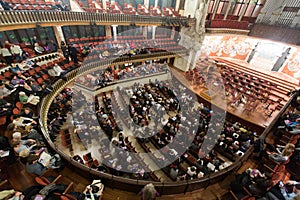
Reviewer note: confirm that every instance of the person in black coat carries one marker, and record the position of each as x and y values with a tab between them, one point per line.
65	50
5	5
73	53
5	146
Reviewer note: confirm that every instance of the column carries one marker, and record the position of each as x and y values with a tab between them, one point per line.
153	32
243	10
216	5
182	63
173	32
177	5
195	57
104	4
108	31
147	4
59	35
156	3
115	32
190	59
228	9
144	31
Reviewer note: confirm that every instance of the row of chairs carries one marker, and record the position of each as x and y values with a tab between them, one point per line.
244	25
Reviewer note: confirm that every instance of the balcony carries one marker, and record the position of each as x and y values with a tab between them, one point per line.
28	19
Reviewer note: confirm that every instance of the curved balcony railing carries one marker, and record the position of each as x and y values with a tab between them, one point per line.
125	183
34	17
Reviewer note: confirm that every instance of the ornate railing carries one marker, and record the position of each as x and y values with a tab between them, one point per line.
39	17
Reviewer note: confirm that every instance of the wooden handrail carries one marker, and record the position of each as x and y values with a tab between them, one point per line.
11	18
3	182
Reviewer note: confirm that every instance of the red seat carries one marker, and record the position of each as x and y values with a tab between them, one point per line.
45	76
40	80
19	105
2	120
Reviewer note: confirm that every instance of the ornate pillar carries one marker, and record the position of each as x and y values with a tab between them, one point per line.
108	31
153	32
228	9
192	38
104	4
243	10
115	32
177	5
59	35
144	31
173	32
147	3
216	5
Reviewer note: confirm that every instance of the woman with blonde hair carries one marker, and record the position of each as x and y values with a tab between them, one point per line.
284	155
149	192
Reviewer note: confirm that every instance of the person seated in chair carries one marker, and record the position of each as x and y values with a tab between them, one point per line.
36	165
31	99
3	90
38	49
33	166
284	155
5	107
57	72
19	145
27	112
281	191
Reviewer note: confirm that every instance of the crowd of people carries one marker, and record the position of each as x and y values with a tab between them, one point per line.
56	6
234	139
278	174
25	140
101	78
109	48
20	94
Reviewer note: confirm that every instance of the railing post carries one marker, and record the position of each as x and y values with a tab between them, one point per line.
17	17
9	17
24	18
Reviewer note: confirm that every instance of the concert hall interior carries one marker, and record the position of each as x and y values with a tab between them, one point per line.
150	99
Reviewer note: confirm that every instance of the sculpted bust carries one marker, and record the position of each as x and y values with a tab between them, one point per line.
190	35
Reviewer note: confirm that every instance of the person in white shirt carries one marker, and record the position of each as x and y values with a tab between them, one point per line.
17	52
58	69
38	49
4	92
19	121
6	55
191	171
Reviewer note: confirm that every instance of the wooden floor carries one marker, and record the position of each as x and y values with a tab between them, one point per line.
20	180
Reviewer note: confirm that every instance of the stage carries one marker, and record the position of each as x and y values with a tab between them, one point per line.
258	116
